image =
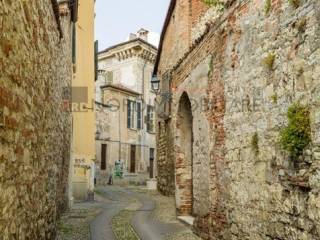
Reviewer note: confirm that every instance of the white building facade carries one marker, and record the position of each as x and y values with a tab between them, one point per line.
125	115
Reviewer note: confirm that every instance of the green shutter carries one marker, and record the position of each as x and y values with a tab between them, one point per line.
96	46
139	117
129	114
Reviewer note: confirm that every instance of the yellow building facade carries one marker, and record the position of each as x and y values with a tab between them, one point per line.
83	139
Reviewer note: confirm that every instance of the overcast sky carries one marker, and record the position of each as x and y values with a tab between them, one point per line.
116	19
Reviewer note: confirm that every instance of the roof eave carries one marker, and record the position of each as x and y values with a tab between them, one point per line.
163	33
128	42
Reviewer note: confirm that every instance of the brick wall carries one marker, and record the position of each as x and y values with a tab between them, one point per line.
177	36
198	8
35	66
251	196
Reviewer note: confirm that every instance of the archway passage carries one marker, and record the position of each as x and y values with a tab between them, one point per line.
184	161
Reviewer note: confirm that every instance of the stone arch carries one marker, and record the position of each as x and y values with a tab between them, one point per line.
184	157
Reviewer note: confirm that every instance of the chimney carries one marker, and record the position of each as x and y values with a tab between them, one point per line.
143	34
132	36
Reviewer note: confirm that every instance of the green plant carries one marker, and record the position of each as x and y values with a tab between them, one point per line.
274	98
267	6
301	25
215	3
294	3
255	143
296	136
65	228
269	60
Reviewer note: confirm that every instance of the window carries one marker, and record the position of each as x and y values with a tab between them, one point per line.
134	114
139	116
150	118
130	113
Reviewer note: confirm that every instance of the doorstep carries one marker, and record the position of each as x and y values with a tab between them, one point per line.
187	220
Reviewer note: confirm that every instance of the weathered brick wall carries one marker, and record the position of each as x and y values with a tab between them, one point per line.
35	66
252	196
178	34
197	10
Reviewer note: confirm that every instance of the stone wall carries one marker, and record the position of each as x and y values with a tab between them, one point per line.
165	162
253	193
35	66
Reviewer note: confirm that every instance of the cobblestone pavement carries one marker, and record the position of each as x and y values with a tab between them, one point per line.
165	211
75	224
124	213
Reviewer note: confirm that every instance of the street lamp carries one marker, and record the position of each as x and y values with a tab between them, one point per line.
155	84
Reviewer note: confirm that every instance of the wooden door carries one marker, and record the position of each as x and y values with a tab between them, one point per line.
151	162
103	156
133	159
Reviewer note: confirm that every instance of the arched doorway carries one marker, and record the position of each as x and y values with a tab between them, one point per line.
184	161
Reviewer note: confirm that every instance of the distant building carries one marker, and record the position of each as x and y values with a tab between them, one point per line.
125	123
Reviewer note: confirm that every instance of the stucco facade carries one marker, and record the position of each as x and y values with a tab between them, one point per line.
83	147
127	70
230	107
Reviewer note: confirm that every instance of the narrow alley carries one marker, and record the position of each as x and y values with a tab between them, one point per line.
160	120
124	213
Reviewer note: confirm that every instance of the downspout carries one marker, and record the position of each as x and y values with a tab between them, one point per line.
143	107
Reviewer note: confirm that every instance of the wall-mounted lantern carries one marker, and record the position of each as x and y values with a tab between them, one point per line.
155	84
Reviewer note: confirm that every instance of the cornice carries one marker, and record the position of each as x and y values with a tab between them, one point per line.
129	50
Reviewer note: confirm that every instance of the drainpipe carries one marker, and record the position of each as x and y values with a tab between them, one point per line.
143	110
